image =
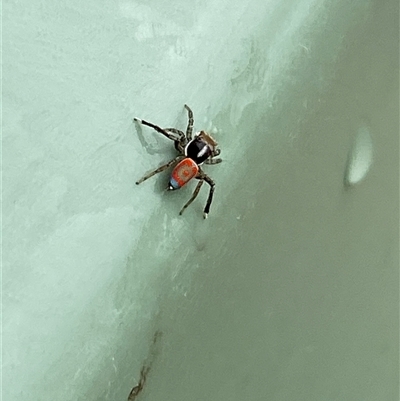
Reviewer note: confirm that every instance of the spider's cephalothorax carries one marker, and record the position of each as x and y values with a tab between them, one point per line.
192	153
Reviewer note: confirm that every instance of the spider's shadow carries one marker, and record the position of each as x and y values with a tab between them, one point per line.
150	148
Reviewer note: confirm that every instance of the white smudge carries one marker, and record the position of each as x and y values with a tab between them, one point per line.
360	157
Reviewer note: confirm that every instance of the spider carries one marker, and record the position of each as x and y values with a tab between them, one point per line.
193	152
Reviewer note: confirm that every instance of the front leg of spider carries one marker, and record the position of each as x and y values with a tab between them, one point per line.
194	150
189	128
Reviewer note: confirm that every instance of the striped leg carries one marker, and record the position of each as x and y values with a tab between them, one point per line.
189	128
176	131
160	169
195	193
211	183
211	160
157	128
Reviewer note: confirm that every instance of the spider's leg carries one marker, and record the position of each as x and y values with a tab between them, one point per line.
160	169
175	131
211	160
216	152
211	183
195	193
189	128
157	128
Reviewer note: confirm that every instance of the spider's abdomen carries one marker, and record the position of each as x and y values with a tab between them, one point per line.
183	172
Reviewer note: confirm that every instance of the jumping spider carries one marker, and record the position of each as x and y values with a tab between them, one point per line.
193	152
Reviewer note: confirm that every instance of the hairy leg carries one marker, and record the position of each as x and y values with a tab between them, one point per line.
176	131
157	128
159	169
189	128
211	160
195	193
211	183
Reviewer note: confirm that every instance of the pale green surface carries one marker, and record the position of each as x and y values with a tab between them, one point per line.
290	290
301	302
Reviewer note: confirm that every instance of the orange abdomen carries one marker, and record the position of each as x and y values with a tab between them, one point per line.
183	172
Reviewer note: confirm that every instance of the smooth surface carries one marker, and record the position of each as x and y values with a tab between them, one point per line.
306	307
289	291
